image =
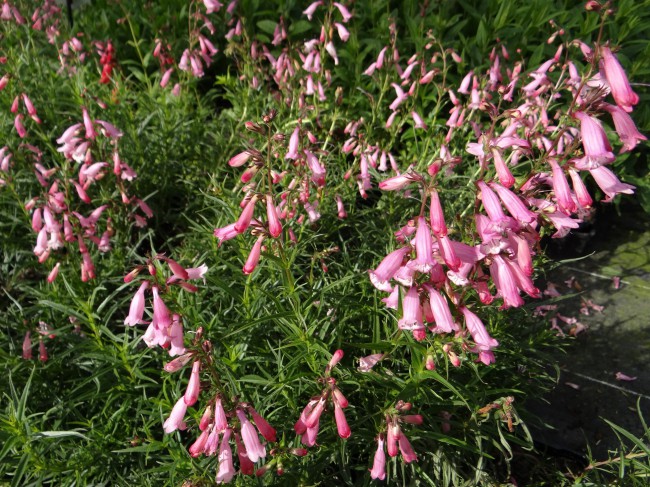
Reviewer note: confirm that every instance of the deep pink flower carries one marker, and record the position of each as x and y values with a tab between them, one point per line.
245	465
408	455
341	423
27	346
275	227
617	80
253	256
514	204
265	429
246	216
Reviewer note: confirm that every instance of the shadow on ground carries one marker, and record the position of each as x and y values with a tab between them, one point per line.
615	340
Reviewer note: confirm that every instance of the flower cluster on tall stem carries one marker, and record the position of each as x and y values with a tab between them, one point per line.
331	396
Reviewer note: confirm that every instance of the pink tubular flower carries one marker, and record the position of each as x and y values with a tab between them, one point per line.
609	183
137	306
381	276
253	256
345	13
20	128
436	215
419	123
441	312
582	194
239	159
396	182
594	141
561	188
342	31
514	204
477	329
194	385
367	363
27	346
423	247
378	470
294	140
226	470
625	127
161	318
245	465
275	227
617	80
246	216
405	448
265	429
341	423
412	311
340	208
254	447
53	273
175	419
491	203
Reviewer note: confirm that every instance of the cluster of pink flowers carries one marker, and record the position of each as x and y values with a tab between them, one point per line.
165	328
44	331
309	422
54	216
218	426
432	269
394	439
304	172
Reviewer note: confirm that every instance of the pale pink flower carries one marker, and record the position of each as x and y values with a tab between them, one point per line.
419	123
367	363
136	310
161	317
254	447
239	159
514	204
561	188
194	385
594	141
309	11
246	467
53	273
294	140
226	470
478	331
625	127
175	419
378	470
617	80
609	183
342	31
411	311
441	312
423	247
345	13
